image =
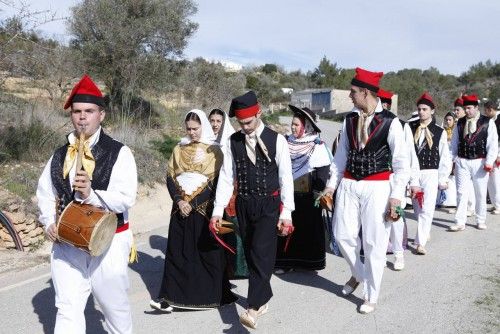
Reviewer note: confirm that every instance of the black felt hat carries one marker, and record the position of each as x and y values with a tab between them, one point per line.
307	113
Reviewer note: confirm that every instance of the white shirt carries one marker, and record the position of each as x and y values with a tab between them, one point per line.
414	165
399	151
225	185
119	197
491	144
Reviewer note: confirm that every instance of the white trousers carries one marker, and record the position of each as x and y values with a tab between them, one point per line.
465	171
363	204
397	236
428	181
76	274
451	194
494	187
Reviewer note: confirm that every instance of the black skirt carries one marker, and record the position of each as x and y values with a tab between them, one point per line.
306	248
194	274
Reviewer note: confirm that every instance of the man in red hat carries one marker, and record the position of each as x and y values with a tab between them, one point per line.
459	112
459	108
431	146
371	148
108	180
257	158
385	98
474	148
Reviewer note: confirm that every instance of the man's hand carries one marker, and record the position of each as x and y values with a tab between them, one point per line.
215	223
393	204
51	232
82	184
487	168
329	191
185	208
413	191
497	162
443	186
285	227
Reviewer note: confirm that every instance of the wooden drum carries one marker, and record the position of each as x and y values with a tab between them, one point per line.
87	227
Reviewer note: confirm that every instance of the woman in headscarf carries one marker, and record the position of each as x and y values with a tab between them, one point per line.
221	126
194	276
237	265
448	198
311	159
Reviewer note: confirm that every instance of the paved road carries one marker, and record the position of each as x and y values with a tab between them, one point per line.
447	291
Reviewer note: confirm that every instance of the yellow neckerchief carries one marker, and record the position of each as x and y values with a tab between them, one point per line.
186	158
88	161
427	132
449	132
471	125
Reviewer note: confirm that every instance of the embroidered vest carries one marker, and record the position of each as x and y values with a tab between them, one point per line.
376	156
473	146
428	158
261	179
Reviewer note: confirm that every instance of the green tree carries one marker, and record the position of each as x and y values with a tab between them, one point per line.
324	75
210	85
128	43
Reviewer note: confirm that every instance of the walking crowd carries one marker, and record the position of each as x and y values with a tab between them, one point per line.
252	202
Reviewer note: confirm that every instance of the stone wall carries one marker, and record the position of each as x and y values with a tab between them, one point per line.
26	224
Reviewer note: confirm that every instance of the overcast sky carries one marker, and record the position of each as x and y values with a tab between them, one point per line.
384	35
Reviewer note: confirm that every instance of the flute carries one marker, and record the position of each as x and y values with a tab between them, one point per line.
81	148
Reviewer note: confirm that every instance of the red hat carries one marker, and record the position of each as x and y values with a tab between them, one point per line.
470	100
367	79
458	102
85	91
426	99
244	106
385	96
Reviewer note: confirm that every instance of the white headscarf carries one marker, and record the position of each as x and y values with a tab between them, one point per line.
227	130
207	134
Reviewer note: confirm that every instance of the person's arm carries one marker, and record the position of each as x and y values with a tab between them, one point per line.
491	145
46	195
400	159
225	184
445	163
122	189
338	165
284	163
414	164
174	193
321	177
454	143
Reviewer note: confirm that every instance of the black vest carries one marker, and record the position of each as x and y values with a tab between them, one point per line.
376	156
261	179
105	153
497	123
473	146
428	158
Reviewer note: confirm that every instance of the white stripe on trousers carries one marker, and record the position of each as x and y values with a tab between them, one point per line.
76	274
363	204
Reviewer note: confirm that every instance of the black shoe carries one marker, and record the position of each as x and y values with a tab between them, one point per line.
160	304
